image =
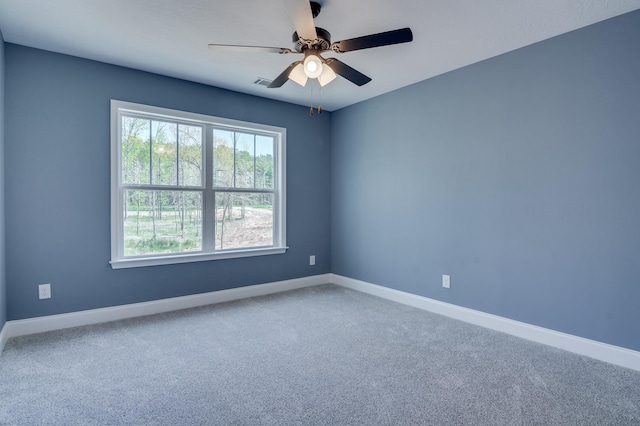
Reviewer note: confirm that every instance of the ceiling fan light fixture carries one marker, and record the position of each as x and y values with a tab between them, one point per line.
326	76
298	74
312	42
312	66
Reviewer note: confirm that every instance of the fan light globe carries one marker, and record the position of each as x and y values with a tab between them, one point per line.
312	66
327	76
298	74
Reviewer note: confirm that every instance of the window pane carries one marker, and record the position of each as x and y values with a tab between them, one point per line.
135	150
162	222
245	157
189	187
164	153
264	162
223	161
243	220
189	155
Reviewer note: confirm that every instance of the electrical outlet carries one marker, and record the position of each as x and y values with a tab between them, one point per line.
446	281
312	260
44	291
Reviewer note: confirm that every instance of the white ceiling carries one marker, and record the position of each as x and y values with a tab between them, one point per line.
170	37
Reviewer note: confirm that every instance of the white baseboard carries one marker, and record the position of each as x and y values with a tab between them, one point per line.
94	316
4	336
591	348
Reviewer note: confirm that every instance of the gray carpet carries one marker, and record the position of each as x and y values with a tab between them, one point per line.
316	356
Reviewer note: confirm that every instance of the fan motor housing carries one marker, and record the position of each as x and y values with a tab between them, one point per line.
322	41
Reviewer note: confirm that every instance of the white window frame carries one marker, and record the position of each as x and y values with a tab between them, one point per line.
208	252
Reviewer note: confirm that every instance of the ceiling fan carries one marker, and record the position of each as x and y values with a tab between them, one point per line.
312	41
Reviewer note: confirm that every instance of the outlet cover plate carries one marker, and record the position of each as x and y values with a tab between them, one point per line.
446	281
44	291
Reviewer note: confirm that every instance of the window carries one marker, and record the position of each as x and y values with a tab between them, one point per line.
188	187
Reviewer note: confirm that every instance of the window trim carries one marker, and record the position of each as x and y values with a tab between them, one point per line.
208	252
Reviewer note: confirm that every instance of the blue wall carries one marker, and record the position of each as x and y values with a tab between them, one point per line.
57	180
3	282
519	176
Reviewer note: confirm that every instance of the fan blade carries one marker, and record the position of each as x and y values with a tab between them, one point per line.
403	35
283	77
340	68
300	12
248	49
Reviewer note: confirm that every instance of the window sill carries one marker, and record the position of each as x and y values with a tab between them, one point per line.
195	257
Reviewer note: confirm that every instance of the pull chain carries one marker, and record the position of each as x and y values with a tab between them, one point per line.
319	101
